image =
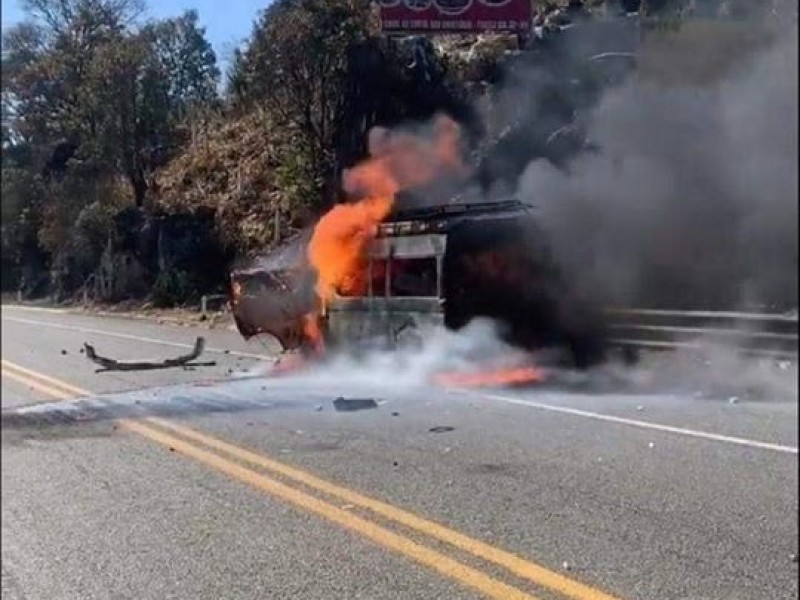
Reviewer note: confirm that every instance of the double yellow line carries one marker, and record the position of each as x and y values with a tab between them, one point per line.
272	477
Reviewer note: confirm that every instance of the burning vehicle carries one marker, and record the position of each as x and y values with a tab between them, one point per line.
382	270
440	266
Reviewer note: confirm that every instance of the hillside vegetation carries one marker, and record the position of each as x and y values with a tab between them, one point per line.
133	167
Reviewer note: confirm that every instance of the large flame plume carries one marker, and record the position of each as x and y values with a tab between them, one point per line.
398	161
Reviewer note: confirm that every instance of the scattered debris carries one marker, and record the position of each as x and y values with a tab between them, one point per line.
783	365
351	404
347	507
171	449
395	463
63	352
733	399
793	557
566	566
441	429
447	450
640	408
318	408
651	445
110	364
395	414
81	350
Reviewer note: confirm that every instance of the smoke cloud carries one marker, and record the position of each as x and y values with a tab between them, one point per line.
691	200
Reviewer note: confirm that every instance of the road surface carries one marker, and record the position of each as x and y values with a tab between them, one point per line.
207	484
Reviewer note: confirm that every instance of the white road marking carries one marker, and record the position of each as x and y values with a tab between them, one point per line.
716	437
137	338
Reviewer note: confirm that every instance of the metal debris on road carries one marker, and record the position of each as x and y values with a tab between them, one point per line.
110	364
351	404
441	429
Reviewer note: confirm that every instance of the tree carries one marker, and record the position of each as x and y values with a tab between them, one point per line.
296	64
91	99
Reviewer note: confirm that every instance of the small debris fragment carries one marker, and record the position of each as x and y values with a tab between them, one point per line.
171	449
394	463
447	450
441	429
80	350
566	566
651	445
395	414
352	404
599	459
63	352
318	408
226	351
347	507
793	557
783	365
733	399
640	408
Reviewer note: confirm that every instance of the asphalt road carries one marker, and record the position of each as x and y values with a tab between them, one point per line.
209	484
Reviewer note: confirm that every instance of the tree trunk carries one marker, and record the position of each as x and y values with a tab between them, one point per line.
139	188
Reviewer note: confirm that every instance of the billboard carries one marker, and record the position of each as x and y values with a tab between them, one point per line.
455	16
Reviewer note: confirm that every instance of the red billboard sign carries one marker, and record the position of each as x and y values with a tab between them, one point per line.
455	16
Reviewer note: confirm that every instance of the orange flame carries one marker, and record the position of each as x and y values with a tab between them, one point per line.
313	333
398	161
491	378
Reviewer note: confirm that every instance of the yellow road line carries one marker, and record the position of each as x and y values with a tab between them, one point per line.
441	563
35	384
515	564
71	389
